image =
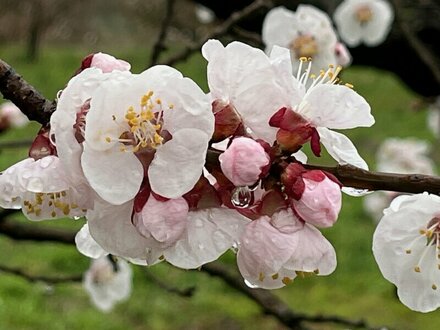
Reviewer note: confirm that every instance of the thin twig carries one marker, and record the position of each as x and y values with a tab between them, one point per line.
54	279
159	45
24	96
272	305
221	30
187	292
20	231
15	144
427	57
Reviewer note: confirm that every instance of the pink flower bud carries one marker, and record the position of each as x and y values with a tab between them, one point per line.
320	202
108	63
243	161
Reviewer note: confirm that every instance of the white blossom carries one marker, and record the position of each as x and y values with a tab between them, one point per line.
364	21
308	33
107	282
406	245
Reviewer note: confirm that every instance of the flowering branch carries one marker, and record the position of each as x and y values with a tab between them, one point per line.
41	278
23	95
221	30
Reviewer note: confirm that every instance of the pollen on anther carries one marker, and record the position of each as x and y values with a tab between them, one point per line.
434	287
261	277
275	276
286	280
108	139
348	85
408	251
417	269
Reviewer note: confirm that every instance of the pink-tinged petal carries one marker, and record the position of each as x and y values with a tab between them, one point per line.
86	245
209	234
178	164
336	106
111	227
313	253
164	221
286	222
108	63
320	202
341	148
263	250
300	156
115	176
343	56
242	162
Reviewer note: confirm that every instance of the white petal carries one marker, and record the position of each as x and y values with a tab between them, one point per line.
336	106
209	234
314	253
178	164
87	245
349	28
111	227
398	233
341	148
280	27
376	30
116	176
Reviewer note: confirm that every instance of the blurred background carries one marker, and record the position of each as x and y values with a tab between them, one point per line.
45	41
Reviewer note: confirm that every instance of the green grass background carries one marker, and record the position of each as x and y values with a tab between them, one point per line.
355	290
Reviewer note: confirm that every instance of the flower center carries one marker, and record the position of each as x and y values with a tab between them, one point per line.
363	14
145	126
431	235
304	46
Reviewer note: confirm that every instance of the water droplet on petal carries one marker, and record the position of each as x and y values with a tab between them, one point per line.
249	284
241	197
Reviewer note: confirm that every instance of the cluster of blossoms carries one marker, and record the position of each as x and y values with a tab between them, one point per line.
163	171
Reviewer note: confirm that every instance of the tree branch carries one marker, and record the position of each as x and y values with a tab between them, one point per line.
424	53
24	96
187	292
352	176
19	231
270	304
221	30
159	45
40	278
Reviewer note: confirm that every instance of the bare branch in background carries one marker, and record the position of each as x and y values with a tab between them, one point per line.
220	31
429	58
15	144
40	278
187	292
20	231
24	96
269	303
159	45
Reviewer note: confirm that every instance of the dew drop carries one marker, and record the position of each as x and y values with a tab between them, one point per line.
241	197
